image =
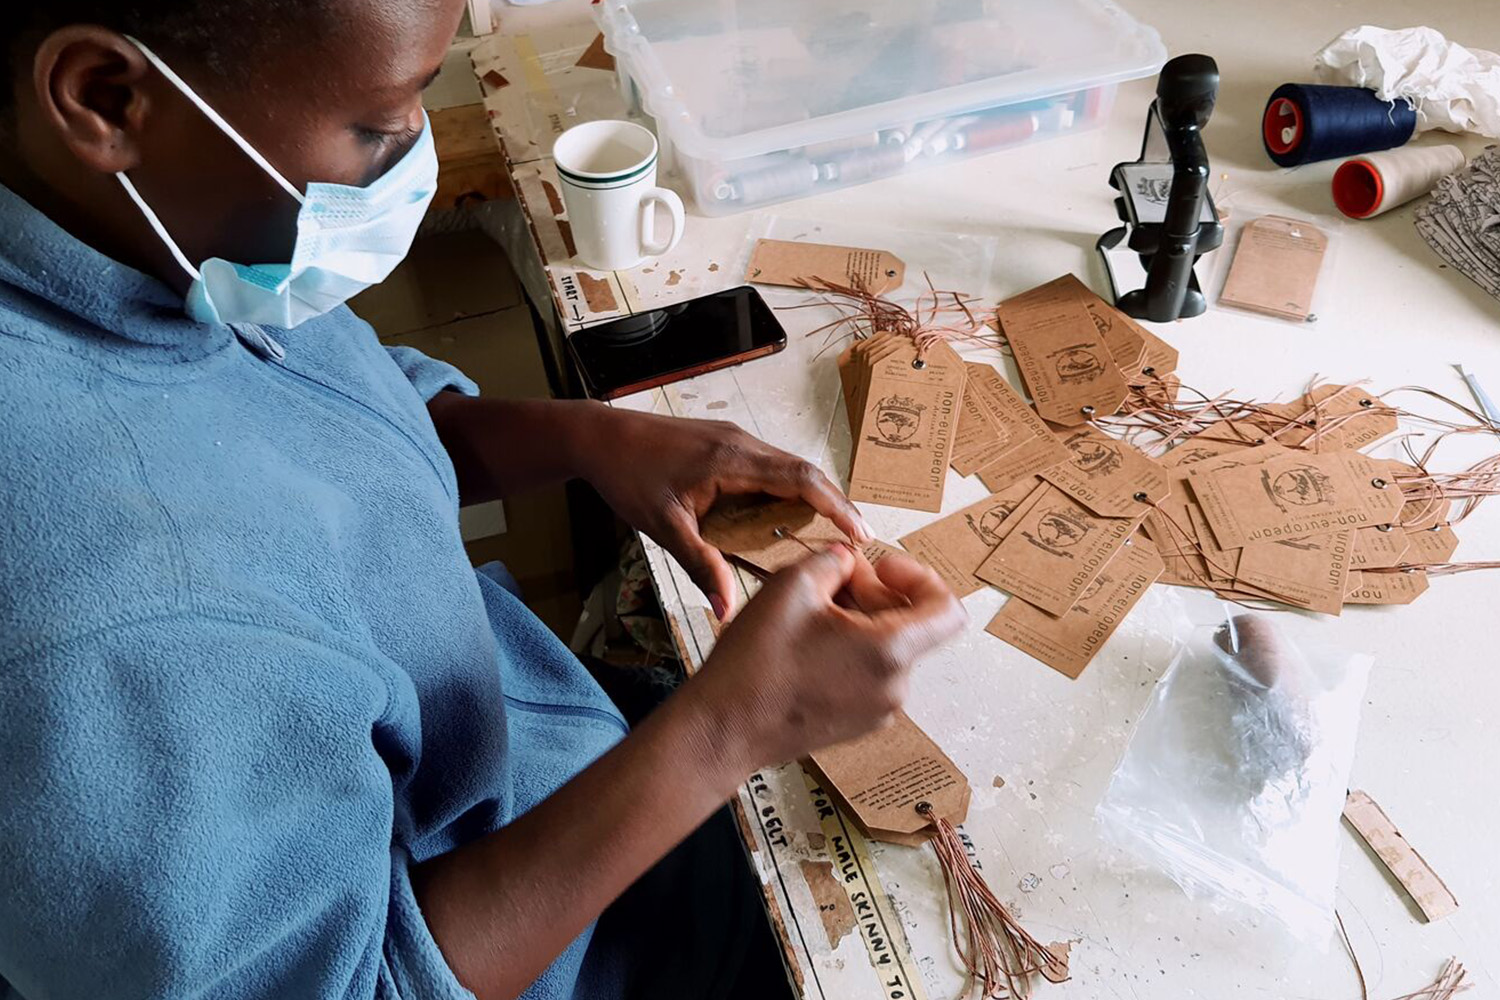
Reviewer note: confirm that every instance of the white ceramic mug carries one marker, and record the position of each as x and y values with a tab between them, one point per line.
608	173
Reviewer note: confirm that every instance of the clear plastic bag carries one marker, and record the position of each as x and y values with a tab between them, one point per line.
1235	777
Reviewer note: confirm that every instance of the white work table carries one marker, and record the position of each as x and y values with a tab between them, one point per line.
1038	748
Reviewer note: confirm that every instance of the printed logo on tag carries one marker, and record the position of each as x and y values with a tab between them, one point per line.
986	527
1058	530
897	421
1302	486
1094	457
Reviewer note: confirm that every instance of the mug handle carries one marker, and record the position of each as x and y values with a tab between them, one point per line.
673	204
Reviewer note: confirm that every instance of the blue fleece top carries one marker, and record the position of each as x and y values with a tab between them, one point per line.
247	675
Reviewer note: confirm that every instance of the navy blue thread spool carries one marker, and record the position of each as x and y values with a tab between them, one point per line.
1305	123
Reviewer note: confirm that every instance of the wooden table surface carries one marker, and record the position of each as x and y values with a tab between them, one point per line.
864	920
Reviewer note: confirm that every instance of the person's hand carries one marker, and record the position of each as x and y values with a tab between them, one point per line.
797	672
662	474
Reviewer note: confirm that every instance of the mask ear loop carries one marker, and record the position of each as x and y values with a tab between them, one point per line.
156	224
216	118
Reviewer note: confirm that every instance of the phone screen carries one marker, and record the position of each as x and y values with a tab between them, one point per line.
668	345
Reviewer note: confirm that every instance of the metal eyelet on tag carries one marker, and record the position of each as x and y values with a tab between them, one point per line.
1384	527
919	364
1379	484
1087	411
1143	497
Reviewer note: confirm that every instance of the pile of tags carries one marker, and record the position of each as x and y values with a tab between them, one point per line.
1462	221
1282	507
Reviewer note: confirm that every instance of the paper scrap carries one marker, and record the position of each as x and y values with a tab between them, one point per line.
1432	897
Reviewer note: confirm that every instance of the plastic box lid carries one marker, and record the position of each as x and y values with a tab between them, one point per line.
727	79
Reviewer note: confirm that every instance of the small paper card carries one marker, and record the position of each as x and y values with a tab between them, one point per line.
1069	643
956	545
880	778
1109	477
1067	366
781	262
1055	551
1288	497
1275	267
904	439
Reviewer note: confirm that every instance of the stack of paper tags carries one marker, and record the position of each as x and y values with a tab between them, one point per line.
1293	512
1459	221
903	417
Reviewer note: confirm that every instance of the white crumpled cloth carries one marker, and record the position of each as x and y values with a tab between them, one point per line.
1452	88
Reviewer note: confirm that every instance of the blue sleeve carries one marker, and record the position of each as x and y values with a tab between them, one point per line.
199	805
431	377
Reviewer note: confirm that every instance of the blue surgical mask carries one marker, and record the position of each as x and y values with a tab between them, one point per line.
348	238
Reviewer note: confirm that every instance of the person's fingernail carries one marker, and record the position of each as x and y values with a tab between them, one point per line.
720	606
866	533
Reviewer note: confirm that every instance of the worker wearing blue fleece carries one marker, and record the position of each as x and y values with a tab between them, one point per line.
263	732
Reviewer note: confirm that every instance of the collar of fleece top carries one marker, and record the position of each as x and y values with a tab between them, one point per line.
130	314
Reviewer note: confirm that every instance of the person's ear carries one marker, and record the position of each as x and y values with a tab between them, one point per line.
90	87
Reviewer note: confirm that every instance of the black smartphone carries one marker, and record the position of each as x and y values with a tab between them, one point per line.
678	342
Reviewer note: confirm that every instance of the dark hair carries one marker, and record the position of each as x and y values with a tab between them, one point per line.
219	35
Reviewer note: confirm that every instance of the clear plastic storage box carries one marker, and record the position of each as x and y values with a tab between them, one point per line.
758	101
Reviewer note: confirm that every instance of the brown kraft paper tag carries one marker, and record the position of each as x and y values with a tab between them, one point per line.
1222	564
744	528
1348	419
1069	643
1275	267
1288	497
1068	369
1431	545
1378	547
1109	477
780	262
1055	551
880	778
904	439
1311	572
1388	588
1004	433
854	372
876	550
956	545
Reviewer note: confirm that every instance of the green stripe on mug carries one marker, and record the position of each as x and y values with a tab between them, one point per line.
610	181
